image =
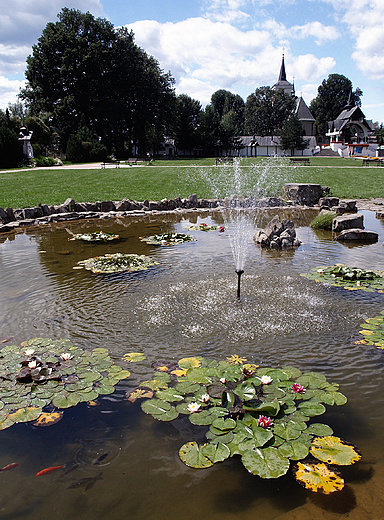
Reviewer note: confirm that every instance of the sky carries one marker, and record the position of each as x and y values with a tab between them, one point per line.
236	45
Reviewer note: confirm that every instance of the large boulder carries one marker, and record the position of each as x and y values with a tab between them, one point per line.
358	235
354	221
306	194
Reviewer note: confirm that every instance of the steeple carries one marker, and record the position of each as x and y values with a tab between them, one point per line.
282	75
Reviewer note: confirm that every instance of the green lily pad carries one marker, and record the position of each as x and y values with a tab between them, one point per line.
320	430
192	456
265	462
66	399
206	417
160	410
170	394
216	452
245	390
311	408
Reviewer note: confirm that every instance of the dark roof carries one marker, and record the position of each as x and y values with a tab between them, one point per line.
302	110
282	75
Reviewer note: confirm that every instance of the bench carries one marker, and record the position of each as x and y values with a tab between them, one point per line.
131	161
375	162
303	160
224	160
104	164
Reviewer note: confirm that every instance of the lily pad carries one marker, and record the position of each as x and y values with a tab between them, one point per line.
216	452
117	263
48	419
318	477
191	454
265	462
66	399
25	414
334	451
160	410
134	357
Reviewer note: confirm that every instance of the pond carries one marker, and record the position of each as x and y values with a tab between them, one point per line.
186	306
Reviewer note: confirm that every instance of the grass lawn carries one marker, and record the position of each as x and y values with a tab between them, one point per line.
347	178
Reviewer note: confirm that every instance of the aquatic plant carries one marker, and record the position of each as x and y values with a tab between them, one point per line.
117	263
206	227
168	239
351	278
323	220
263	415
373	332
42	372
97	236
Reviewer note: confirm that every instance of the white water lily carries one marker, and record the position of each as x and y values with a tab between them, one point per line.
66	356
265	380
223	380
29	351
32	364
193	407
204	398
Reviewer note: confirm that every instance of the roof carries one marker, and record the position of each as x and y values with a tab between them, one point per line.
302	110
282	83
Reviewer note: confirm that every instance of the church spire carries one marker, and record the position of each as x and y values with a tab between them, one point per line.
282	75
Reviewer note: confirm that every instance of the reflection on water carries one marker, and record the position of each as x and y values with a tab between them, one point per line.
120	463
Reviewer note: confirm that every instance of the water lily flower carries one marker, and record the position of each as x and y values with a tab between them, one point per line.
265	380
193	407
320	271
32	364
203	224
358	283
297	388
205	398
222	380
66	356
221	229
264	422
29	351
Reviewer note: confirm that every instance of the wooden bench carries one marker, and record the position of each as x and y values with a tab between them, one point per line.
104	164
224	160
302	160
372	162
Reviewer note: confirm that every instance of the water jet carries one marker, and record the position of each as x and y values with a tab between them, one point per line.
239	272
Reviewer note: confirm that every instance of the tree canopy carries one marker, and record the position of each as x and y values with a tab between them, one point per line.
84	72
291	136
266	110
333	95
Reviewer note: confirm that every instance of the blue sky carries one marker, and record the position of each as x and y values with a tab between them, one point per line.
236	45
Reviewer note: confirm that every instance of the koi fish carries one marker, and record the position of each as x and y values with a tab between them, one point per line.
47	471
86	482
10	466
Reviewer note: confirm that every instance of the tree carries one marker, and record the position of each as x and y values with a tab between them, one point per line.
187	122
11	150
208	130
291	136
266	111
83	71
333	95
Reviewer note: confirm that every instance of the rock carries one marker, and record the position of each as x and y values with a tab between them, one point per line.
277	234
308	194
348	222
107	206
192	201
358	235
3	216
69	204
328	202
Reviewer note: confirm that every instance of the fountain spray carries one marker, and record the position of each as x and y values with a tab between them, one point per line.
239	272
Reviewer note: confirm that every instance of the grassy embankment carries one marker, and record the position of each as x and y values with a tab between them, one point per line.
347	178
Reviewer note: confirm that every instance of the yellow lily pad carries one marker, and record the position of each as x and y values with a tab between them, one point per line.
191	362
133	357
48	419
318	477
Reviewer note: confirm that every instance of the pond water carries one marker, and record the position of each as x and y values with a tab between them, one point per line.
183	307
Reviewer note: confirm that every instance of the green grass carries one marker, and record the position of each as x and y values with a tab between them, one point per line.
347	178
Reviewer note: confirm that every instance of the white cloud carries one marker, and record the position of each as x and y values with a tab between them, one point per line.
365	19
321	33
9	90
227	11
200	52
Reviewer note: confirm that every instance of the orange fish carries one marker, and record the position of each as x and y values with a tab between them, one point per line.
10	466
47	471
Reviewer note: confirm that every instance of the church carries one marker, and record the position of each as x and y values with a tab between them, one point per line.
257	146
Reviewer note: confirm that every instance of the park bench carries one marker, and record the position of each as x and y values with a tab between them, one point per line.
372	162
302	160
224	160
132	160
104	164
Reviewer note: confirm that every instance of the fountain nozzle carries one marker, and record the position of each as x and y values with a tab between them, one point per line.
239	272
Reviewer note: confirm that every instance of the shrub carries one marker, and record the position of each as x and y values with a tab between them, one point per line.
45	161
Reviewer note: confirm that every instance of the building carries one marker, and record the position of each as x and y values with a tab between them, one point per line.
351	134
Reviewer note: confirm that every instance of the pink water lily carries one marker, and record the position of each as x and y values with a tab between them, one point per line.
264	422
221	229
297	388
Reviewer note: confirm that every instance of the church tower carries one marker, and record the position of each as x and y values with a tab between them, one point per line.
282	83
